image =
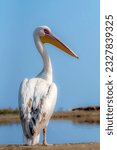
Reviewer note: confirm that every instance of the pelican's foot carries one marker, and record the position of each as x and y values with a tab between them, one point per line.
46	144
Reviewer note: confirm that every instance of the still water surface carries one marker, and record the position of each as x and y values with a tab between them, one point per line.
59	131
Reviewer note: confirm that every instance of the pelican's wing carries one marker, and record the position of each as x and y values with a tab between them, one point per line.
37	100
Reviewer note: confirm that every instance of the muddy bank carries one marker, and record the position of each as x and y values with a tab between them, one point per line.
89	114
82	146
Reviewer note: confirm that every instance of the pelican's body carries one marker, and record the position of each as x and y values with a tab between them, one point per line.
37	96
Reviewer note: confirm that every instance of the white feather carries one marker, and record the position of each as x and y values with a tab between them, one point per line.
37	100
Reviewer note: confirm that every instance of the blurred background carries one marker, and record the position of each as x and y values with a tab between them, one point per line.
76	23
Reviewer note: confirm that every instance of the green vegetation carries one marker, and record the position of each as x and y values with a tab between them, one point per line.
9	111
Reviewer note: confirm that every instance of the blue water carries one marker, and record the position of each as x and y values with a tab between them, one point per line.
59	131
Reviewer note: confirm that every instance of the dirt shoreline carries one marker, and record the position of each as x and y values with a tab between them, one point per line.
75	146
90	114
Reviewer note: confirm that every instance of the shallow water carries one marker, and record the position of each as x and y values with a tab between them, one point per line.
59	131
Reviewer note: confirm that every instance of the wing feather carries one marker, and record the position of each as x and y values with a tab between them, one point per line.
37	99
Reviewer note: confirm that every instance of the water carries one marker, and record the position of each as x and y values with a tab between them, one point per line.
59	131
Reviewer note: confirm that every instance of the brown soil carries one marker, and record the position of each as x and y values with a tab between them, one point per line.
82	146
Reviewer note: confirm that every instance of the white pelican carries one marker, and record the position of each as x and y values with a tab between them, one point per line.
37	96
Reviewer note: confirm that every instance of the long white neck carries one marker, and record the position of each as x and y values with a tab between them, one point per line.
46	72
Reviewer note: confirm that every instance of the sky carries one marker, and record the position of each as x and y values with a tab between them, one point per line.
76	23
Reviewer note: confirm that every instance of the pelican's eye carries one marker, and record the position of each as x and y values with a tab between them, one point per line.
46	31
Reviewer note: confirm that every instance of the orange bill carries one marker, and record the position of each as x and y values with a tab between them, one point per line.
50	38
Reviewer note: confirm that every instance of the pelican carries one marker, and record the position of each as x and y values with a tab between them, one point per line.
37	96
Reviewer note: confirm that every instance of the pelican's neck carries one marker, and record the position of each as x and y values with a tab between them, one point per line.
46	72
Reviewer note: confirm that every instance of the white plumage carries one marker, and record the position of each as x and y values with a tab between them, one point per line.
37	96
37	102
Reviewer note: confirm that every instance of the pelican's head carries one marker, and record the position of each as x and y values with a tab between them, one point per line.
46	36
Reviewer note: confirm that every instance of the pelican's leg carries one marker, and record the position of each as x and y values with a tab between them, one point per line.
44	136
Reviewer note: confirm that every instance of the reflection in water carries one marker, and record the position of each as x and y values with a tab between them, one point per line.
59	131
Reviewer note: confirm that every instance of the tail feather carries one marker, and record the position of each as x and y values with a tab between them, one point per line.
32	141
